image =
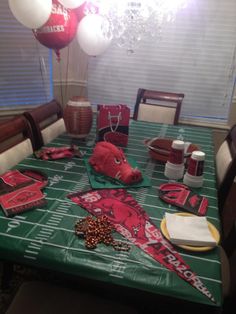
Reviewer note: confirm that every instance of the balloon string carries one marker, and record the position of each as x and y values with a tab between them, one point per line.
43	71
67	70
57	52
62	101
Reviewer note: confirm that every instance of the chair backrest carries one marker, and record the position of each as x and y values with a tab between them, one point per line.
157	106
16	142
46	122
226	166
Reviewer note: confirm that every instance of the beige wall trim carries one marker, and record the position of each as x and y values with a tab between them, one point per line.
205	124
232	114
69	82
64	92
13	112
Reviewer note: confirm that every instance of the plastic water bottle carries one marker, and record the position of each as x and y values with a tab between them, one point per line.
174	168
194	174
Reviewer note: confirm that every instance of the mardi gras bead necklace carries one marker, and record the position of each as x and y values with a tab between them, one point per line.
98	230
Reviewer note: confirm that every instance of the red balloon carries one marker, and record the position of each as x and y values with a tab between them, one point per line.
60	28
84	9
80	11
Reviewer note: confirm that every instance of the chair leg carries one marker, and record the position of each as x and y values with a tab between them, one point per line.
229	243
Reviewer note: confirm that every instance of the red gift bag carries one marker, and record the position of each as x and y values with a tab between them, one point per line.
113	124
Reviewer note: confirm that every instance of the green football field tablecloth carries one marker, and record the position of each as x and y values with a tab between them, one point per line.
44	237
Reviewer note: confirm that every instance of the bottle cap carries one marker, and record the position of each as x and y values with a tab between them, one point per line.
177	144
198	155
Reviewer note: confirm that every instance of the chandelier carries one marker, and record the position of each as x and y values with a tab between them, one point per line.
127	22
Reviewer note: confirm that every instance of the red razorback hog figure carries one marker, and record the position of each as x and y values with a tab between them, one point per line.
110	160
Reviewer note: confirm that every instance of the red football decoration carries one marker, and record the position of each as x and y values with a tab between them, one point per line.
159	148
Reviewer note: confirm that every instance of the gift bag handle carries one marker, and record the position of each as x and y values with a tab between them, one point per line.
114	127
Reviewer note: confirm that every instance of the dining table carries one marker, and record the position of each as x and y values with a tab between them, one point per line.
44	237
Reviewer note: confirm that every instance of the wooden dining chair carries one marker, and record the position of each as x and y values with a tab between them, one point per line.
225	272
157	106
46	122
225	162
16	142
229	242
226	166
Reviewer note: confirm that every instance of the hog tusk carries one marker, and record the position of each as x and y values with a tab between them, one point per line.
118	175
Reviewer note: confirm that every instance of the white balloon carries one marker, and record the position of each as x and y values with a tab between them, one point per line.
71	4
31	13
90	35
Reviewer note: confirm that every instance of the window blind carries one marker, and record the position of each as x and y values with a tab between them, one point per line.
26	65
195	55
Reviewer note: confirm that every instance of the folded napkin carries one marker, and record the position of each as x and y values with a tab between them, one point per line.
189	230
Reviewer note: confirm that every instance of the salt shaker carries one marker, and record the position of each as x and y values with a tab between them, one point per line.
194	174
174	168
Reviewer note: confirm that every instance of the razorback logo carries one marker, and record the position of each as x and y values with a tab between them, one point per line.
126	215
131	220
110	160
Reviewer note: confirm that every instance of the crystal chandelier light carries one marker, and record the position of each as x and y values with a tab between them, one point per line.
128	21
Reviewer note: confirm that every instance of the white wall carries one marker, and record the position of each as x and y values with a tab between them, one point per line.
70	73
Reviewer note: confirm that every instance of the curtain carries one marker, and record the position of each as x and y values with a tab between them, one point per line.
194	55
26	65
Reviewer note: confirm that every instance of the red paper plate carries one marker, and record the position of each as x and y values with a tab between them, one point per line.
159	148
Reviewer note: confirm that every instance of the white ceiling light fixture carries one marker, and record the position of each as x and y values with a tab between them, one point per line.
128	21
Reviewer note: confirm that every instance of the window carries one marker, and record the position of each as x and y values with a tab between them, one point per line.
195	56
26	65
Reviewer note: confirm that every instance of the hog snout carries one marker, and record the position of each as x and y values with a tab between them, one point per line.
133	176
